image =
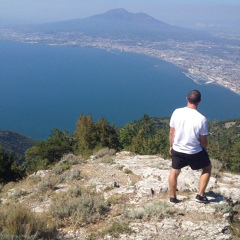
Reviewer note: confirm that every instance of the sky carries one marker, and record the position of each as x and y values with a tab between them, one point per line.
222	14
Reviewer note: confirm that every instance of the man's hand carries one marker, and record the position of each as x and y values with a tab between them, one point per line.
170	150
204	141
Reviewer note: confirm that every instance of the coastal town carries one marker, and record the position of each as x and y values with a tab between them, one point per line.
202	61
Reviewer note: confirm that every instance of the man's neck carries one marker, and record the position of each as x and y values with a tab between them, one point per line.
192	106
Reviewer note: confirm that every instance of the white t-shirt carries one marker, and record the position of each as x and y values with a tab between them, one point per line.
188	124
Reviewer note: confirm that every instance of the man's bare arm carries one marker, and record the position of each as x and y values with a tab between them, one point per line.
171	137
204	141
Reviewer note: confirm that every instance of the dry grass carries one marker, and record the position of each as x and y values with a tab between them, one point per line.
18	222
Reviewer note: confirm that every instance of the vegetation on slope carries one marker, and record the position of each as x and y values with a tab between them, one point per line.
224	143
145	136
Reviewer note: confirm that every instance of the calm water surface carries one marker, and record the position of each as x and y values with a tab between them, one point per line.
45	87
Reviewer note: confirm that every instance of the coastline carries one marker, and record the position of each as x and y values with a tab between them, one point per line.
203	69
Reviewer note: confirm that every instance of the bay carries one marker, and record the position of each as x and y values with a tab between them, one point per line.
45	87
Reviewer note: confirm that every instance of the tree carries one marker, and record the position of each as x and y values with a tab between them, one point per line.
46	153
224	144
90	135
106	134
161	141
146	136
126	135
10	169
85	135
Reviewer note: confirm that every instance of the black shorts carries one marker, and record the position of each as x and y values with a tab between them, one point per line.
195	161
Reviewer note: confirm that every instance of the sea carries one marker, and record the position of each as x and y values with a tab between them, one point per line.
45	87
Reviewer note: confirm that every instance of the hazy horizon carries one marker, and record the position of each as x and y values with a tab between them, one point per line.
206	14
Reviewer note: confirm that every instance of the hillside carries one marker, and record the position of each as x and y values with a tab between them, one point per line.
16	142
224	135
73	194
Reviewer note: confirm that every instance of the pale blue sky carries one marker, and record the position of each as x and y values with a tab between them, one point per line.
223	13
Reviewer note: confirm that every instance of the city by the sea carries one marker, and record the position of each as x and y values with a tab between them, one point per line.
45	87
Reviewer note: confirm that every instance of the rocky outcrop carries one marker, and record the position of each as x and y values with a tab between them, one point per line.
142	184
196	221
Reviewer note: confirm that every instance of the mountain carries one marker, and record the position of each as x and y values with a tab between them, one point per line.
16	142
119	23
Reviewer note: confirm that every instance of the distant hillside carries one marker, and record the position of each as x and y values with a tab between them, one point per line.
16	142
119	23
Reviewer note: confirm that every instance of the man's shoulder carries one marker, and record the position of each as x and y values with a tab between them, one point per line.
179	109
201	115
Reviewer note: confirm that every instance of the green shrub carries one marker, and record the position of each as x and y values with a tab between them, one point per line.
74	174
156	209
127	171
47	183
66	166
108	188
134	213
224	208
75	192
108	161
116	228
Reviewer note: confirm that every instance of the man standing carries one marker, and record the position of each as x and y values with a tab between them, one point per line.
188	145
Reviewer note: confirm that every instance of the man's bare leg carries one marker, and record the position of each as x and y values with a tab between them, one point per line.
173	181
204	179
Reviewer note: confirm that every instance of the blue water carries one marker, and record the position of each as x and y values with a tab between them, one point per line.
46	87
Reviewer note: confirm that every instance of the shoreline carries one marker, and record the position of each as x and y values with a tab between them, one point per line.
193	76
196	77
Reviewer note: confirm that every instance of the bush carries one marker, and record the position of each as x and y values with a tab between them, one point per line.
79	207
224	208
155	209
108	161
127	171
18	222
116	228
104	152
47	183
74	174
